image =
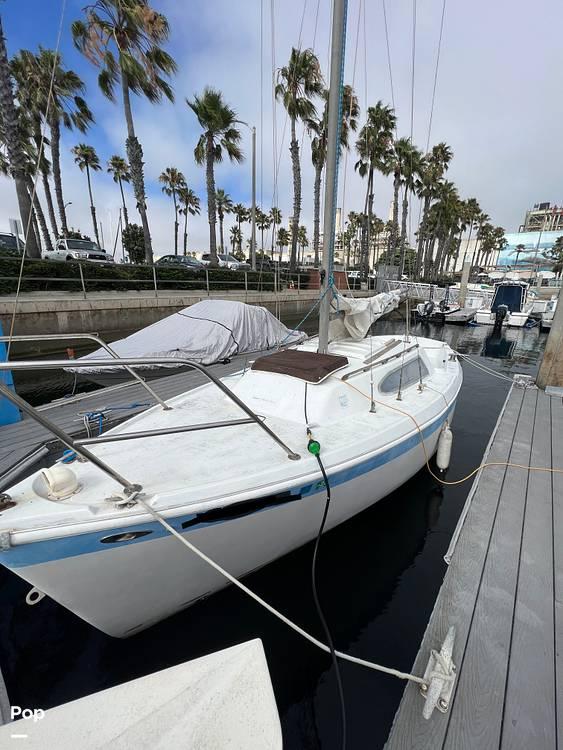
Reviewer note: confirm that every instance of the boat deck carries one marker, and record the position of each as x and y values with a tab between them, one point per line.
27	438
503	592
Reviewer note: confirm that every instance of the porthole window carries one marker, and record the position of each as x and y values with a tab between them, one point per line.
413	370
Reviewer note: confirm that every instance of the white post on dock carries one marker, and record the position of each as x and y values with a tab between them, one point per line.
464	281
551	369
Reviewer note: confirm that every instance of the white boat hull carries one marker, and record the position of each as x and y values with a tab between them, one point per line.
125	588
512	320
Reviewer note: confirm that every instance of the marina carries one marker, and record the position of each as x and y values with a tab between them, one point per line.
304	487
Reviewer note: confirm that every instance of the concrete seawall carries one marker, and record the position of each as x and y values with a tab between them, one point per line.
107	313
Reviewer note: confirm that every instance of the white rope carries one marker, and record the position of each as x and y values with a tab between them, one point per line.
486	369
36	179
272	610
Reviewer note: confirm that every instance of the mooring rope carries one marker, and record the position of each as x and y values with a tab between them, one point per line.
298	629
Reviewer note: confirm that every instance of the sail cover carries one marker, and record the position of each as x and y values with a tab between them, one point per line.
355	316
207	332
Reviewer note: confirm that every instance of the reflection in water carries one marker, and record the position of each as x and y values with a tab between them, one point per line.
498	347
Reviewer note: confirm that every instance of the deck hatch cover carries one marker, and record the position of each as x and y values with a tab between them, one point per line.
310	366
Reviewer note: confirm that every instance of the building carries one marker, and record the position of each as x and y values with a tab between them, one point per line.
543	217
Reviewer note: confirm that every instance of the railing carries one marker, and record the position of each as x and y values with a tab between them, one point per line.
81	277
87	337
79	447
424	291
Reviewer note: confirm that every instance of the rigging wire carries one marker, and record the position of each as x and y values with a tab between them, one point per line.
36	177
438	51
407	186
316	599
345	166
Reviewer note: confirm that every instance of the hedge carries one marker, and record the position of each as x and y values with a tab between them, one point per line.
41	275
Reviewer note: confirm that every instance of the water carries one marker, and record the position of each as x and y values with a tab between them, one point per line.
379	576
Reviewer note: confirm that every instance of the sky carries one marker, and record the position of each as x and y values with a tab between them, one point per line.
498	101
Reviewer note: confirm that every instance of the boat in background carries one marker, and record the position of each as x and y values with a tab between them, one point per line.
510	306
548	315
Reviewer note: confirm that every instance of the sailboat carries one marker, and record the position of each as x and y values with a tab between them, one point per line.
232	465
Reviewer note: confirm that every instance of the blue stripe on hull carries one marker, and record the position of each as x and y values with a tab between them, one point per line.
35	553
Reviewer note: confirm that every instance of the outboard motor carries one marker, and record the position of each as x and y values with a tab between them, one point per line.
424	311
500	315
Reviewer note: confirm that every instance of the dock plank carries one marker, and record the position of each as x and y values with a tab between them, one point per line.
529	713
476	717
456	601
557	479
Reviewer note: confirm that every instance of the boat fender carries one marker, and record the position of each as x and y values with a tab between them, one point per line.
444	451
56	483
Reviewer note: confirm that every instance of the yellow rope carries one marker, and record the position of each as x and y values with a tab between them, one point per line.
485	465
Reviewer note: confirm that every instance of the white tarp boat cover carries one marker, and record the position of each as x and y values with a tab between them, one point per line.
207	332
357	315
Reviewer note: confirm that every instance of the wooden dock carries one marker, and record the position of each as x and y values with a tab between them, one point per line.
27	440
503	592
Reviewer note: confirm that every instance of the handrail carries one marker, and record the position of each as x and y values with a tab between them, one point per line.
90	337
78	448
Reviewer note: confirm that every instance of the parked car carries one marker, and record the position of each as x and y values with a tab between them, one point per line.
10	244
67	249
186	262
226	261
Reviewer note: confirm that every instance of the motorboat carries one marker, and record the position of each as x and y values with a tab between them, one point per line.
208	332
548	314
510	306
246	492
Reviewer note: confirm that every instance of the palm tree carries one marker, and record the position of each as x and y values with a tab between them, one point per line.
284	239
220	134
472	211
263	222
373	146
123	38
87	159
172	180
275	220
483	228
14	147
409	162
236	238
432	169
319	128
242	214
298	81
224	206
518	252
303	242
119	169
190	205
49	90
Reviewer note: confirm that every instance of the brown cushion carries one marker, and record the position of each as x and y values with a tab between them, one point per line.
309	366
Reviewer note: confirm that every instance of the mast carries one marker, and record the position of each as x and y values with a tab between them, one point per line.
336	85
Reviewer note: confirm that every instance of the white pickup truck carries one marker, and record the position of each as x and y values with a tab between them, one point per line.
66	249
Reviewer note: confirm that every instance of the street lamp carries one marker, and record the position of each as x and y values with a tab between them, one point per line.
253	209
67	204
